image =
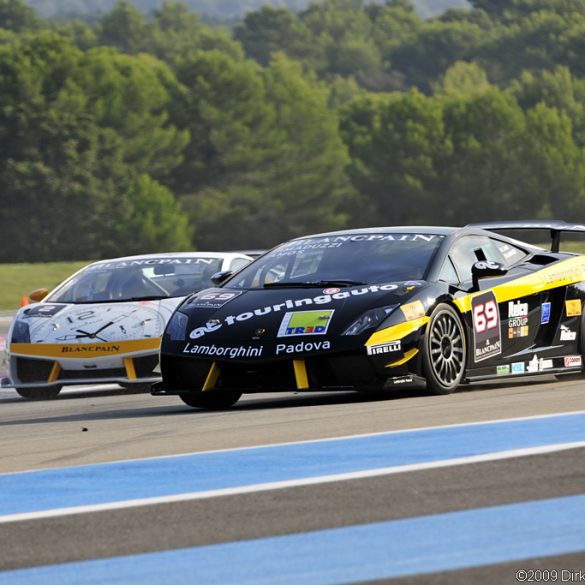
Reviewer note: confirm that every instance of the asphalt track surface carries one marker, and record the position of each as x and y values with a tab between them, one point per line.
261	494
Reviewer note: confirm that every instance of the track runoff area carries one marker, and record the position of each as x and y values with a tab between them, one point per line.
500	500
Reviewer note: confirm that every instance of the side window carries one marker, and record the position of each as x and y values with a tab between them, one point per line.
448	273
512	255
468	250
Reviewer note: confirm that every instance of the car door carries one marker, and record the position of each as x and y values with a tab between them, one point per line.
504	328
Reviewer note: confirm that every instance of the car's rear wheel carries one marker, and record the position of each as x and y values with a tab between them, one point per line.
39	392
213	399
444	350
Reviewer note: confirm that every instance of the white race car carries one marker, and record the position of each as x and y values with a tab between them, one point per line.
104	323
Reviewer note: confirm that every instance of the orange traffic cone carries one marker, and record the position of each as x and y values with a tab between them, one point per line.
24	301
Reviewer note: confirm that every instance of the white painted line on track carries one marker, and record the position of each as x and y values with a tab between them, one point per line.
312	441
263	487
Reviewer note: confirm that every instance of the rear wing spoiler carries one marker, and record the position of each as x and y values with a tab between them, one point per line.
555	227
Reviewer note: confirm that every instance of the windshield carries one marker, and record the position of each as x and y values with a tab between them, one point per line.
141	279
343	260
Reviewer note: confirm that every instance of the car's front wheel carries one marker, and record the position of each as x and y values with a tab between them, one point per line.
212	399
444	350
40	392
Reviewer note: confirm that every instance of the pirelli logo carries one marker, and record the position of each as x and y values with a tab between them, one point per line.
383	348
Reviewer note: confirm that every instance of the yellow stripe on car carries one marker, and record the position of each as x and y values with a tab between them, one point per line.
84	350
212	377
559	274
407	356
301	377
396	332
130	369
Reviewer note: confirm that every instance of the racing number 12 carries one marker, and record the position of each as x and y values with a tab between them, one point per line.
485	316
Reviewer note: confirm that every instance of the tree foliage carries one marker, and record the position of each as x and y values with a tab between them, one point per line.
146	128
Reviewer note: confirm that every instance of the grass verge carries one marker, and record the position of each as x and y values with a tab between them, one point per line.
17	280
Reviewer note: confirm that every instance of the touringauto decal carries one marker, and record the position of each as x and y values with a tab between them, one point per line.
487	340
230	320
573	308
305	323
214	299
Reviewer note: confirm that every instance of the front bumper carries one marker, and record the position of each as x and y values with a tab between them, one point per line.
27	372
339	371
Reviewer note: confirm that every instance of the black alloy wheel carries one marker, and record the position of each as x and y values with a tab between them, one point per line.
445	350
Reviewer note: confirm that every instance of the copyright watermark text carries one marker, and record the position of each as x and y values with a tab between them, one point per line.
552	576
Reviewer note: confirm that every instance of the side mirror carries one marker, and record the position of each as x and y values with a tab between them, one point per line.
38	295
485	269
220	277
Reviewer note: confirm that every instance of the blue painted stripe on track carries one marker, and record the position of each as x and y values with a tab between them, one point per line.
383	550
159	477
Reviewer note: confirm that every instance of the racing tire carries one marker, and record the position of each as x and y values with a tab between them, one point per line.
444	350
211	400
40	392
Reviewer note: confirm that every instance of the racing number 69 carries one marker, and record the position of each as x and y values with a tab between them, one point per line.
485	316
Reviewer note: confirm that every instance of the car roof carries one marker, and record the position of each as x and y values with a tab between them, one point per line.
431	230
218	255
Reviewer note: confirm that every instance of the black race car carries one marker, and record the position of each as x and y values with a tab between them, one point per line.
373	309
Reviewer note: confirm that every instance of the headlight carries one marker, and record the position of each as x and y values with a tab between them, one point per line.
369	319
177	326
20	332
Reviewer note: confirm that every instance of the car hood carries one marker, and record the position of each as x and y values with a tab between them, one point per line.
226	315
77	323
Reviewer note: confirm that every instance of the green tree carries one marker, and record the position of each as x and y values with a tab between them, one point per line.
68	188
265	156
17	16
394	143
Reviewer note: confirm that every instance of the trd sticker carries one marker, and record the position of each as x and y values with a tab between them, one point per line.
487	340
573	308
214	300
544	313
43	310
305	323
